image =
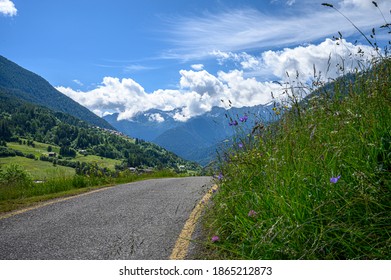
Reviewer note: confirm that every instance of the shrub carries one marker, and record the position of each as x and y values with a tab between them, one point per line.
6	152
15	175
79	182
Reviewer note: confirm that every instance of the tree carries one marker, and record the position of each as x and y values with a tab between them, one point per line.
5	131
67	151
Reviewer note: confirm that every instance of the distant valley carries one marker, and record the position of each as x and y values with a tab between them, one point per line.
195	140
198	138
34	114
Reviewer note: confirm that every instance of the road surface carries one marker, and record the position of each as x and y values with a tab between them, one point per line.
136	221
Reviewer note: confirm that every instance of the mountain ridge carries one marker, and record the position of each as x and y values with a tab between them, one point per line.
196	139
24	115
32	88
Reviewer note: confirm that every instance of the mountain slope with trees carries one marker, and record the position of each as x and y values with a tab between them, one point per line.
22	120
28	86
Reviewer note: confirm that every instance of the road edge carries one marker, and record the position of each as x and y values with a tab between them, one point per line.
49	202
182	244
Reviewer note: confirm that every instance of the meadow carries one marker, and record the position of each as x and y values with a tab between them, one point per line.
39	170
41	148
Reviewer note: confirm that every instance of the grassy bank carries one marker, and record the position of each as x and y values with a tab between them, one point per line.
17	189
314	185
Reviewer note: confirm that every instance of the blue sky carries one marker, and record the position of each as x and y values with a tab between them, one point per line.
131	56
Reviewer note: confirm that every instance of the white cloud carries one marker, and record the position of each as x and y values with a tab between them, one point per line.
246	91
290	2
199	91
252	29
155	118
197	67
358	3
327	57
246	61
136	68
7	8
78	82
201	82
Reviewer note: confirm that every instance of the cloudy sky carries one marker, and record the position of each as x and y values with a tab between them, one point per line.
131	56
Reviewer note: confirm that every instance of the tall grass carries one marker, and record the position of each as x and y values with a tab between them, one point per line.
18	190
317	183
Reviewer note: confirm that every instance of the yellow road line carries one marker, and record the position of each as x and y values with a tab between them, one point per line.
43	204
182	244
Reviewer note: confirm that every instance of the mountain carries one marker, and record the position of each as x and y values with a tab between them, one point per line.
28	86
198	138
143	125
32	110
20	120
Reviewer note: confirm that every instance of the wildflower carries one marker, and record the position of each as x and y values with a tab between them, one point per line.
220	177
252	213
334	179
233	123
244	118
240	145
215	238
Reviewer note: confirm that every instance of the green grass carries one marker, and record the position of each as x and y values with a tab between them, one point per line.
18	190
39	170
38	150
277	199
102	162
41	148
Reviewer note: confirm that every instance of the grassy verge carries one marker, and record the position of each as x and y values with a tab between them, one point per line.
17	190
314	185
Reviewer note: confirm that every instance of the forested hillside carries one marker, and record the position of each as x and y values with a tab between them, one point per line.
21	120
19	82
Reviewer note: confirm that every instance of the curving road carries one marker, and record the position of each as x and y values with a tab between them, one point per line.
139	221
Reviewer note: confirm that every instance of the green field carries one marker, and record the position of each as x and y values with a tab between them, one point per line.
102	162
39	170
41	148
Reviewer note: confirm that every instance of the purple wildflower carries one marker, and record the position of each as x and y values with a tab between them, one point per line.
215	238
252	213
240	145
334	179
244	118
220	176
233	123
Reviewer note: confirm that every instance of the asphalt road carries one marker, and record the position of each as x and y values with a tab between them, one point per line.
137	221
